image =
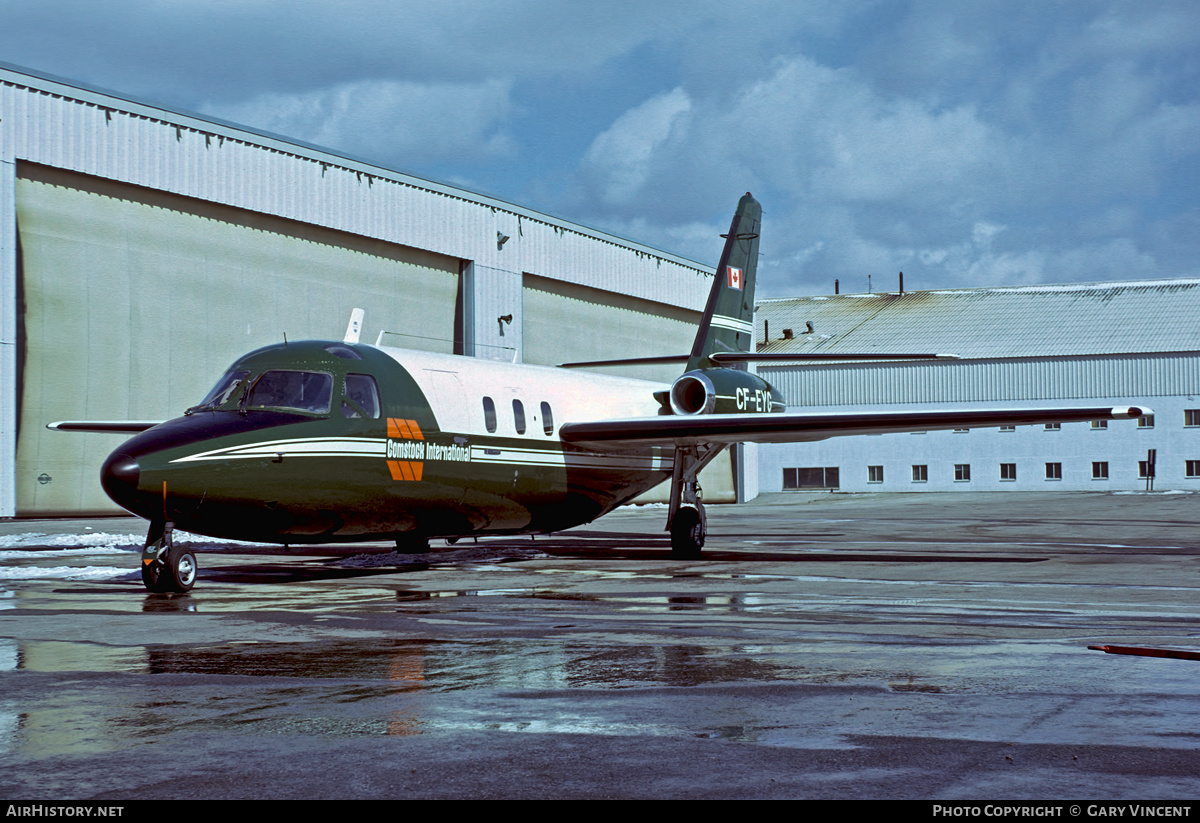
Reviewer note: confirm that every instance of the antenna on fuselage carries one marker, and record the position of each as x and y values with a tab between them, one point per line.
354	328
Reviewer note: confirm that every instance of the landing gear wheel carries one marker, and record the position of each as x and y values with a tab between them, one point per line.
687	534
174	572
166	568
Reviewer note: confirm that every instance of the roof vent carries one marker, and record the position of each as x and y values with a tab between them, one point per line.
787	334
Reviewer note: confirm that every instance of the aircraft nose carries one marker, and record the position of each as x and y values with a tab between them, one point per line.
119	476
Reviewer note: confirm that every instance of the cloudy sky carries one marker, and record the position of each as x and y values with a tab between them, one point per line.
964	142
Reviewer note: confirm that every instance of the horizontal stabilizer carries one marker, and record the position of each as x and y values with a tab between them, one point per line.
627	361
788	357
104	426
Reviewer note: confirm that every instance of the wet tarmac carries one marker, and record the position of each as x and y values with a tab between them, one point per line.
927	646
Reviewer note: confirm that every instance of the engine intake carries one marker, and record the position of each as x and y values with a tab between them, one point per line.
693	393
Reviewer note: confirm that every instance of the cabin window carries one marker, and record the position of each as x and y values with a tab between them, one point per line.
221	392
547	419
362	397
519	416
489	414
303	391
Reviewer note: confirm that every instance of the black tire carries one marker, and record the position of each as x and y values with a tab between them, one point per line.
177	572
687	534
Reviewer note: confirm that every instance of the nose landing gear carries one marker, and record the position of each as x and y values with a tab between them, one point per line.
166	568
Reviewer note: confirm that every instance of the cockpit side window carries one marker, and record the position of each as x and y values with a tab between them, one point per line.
362	397
292	390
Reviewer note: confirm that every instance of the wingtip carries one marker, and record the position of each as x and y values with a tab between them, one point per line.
1130	412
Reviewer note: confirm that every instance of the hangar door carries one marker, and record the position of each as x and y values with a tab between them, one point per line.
564	322
135	301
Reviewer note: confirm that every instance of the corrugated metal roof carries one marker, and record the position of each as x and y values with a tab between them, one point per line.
1020	321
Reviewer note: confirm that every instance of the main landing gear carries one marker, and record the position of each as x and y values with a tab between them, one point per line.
166	568
686	520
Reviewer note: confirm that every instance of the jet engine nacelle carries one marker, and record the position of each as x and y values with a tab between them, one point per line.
723	391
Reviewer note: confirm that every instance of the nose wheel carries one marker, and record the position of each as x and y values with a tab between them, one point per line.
165	567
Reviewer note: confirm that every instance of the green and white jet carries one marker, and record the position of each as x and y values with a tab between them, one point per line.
340	441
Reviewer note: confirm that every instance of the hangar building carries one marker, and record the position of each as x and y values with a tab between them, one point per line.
143	249
1087	344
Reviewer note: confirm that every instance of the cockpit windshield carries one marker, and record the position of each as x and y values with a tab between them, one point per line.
221	392
293	391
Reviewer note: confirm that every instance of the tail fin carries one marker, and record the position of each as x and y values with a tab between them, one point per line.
728	323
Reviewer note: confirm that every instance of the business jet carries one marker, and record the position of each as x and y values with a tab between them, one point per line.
341	441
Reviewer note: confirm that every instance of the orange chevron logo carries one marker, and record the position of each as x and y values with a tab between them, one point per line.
405	469
403	429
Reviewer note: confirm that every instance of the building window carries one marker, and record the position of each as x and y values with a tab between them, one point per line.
1146	421
961	431
1145	469
1008	471
1191	417
1054	427
874	474
920	474
810	478
547	419
962	472
1193	468
1054	471
1100	471
489	414
1008	428
1099	424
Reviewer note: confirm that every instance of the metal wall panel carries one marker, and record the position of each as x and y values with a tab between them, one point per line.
8	335
1031	379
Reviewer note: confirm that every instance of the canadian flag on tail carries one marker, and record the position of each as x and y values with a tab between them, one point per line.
735	277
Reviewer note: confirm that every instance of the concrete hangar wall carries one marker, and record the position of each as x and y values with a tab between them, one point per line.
1087	344
142	250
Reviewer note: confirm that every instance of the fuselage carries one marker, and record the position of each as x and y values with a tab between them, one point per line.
323	441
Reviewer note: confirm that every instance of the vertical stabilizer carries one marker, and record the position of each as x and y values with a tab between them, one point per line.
728	323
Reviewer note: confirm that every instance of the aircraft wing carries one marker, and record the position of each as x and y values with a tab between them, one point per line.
680	430
104	426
